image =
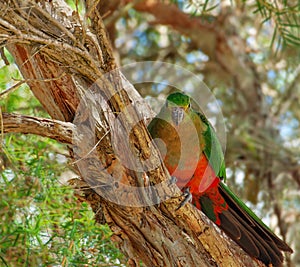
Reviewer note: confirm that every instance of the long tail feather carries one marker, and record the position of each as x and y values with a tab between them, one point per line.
256	238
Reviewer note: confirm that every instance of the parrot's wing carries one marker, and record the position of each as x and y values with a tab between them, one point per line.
213	151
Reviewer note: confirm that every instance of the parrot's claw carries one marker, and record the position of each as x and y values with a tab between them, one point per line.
187	197
173	180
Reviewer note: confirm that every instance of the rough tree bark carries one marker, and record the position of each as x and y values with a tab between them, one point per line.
60	58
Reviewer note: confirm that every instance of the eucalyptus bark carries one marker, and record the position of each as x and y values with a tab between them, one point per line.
62	59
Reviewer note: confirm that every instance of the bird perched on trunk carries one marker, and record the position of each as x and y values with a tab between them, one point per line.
194	156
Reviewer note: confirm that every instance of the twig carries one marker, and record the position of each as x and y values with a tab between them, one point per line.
3	56
93	148
20	82
15	86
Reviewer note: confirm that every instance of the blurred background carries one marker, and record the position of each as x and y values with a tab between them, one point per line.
246	52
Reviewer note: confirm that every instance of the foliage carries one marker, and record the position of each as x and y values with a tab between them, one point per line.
284	15
42	223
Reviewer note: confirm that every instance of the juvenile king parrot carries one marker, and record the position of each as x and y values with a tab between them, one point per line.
192	153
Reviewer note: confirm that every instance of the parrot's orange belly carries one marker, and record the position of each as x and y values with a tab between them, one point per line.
198	176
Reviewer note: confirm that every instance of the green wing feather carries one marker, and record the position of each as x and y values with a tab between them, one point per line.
212	149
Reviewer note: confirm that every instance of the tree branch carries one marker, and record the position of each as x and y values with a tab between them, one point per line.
224	48
60	131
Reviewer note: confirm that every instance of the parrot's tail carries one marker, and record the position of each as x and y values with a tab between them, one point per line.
249	232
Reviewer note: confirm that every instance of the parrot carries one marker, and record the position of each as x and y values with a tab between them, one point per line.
192	154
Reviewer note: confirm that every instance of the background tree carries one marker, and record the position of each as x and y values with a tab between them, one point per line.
248	54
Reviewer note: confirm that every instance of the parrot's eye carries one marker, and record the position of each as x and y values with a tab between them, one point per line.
189	105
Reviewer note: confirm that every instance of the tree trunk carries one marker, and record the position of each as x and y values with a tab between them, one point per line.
64	63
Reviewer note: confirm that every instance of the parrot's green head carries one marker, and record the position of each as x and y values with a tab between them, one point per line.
178	103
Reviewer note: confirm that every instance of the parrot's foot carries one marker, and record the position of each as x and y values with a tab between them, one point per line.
173	180
187	197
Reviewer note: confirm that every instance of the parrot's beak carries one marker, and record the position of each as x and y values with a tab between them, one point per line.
177	115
